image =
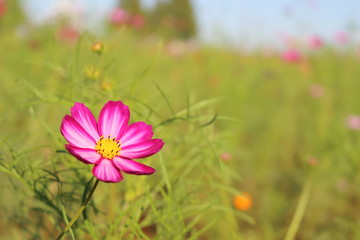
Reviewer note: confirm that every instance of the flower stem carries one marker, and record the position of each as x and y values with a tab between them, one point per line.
300	210
78	213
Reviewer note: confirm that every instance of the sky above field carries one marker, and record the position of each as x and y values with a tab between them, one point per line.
244	22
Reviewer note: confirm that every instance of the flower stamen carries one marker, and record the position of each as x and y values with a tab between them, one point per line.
108	147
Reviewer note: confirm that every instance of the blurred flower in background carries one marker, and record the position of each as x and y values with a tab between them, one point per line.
137	21
353	122
225	156
98	47
342	37
68	34
2	7
119	17
312	161
291	55
243	201
315	42
316	91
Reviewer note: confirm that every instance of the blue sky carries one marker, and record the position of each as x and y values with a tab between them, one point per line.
260	21
245	22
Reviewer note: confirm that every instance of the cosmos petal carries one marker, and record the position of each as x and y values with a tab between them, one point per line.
141	149
132	167
136	132
75	134
85	119
86	155
113	119
106	172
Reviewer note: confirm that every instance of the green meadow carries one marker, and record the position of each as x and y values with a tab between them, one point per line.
232	122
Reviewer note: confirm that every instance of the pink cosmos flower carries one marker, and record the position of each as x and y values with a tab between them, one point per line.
137	21
342	37
3	8
225	156
291	55
353	122
119	17
68	34
315	42
110	144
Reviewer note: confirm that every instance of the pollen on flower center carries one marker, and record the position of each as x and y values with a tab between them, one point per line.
108	147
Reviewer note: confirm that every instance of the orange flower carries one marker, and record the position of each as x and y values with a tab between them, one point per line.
243	201
98	47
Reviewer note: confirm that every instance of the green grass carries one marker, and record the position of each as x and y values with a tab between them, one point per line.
204	103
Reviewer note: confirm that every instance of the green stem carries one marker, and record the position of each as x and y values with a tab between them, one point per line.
300	210
78	213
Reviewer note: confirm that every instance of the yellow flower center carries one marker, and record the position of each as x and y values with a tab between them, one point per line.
108	147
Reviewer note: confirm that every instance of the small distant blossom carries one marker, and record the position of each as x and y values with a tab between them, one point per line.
243	201
342	37
353	122
312	161
225	156
316	90
120	17
137	21
3	8
98	47
110	144
315	42
68	34
292	56
92	72
177	48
